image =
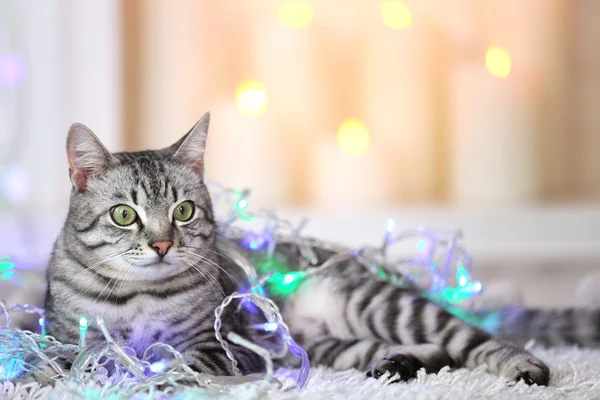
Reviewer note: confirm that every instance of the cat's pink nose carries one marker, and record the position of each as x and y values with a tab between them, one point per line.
162	247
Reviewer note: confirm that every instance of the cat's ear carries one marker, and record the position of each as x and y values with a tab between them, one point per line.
87	155
192	145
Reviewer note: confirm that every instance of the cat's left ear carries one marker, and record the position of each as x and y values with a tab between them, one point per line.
191	149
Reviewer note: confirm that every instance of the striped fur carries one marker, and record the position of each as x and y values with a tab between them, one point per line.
345	317
352	320
566	327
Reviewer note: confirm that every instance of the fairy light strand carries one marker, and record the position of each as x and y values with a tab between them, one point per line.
24	351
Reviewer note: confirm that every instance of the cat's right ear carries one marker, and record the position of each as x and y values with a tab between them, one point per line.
191	147
87	156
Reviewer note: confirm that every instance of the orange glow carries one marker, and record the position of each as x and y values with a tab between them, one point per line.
396	14
353	137
251	98
498	62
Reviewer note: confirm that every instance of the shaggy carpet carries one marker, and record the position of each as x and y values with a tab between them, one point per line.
575	374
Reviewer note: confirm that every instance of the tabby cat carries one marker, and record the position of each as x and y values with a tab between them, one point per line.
139	249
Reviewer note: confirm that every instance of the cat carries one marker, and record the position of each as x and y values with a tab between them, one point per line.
138	248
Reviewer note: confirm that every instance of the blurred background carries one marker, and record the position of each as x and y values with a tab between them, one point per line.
445	113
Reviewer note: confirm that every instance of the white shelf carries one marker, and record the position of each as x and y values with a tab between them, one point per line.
556	233
526	234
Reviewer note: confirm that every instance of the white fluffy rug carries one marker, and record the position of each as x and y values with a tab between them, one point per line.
575	374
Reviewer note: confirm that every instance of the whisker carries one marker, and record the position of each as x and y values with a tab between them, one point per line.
211	251
211	262
212	282
208	274
116	279
99	263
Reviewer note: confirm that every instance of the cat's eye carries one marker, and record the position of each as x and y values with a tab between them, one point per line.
123	215
184	211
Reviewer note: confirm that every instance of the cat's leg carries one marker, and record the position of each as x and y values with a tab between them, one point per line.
375	309
210	358
377	357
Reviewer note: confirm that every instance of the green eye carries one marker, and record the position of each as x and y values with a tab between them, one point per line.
184	211
123	215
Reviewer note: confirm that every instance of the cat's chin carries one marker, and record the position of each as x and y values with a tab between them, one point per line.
159	264
157	271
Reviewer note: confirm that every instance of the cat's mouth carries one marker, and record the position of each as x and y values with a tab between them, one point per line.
157	264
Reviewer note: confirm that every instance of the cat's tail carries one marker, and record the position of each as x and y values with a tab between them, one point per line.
548	327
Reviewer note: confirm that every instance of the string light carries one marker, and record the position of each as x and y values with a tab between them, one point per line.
396	14
83	326
353	137
295	14
282	281
498	62
271	312
251	98
264	268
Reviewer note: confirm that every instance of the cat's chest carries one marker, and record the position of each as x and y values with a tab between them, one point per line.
143	321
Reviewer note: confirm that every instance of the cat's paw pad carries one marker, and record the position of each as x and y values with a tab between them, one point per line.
525	367
401	368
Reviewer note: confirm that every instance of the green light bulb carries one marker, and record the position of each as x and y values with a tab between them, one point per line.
6	265
462	277
285	284
242	204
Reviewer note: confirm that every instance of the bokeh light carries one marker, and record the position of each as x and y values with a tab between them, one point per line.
158	366
422	246
390	225
13	70
251	98
242	204
285	284
396	14
253	241
295	14
270	326
353	137
15	184
7	268
498	61
462	276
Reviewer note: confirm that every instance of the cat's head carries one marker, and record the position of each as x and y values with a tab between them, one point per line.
137	216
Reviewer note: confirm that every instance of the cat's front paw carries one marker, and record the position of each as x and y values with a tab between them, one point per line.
401	368
523	366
